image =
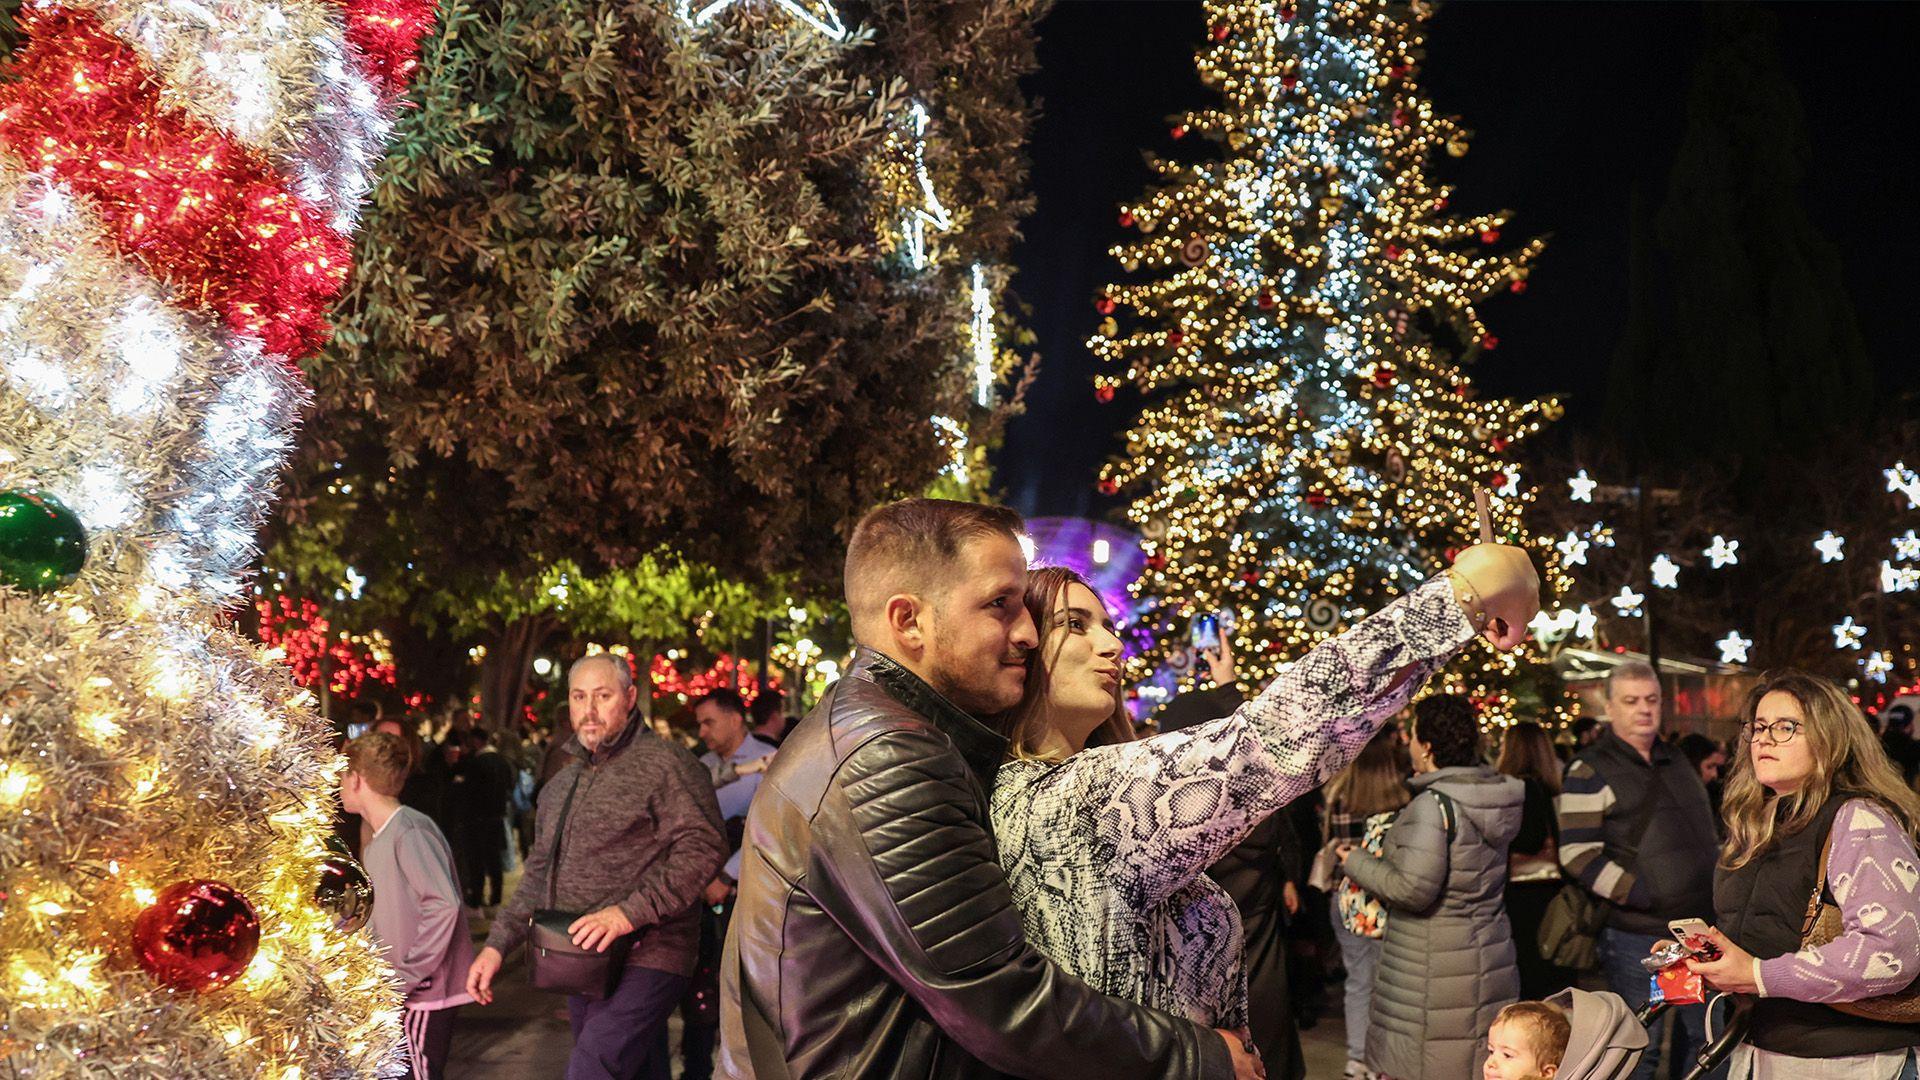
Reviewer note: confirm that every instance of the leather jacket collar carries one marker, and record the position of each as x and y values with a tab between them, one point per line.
982	749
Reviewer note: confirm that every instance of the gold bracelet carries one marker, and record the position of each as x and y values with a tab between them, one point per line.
1468	599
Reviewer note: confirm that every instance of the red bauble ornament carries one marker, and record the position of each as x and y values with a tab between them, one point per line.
1104	305
1517	287
1489	343
1156	562
1222	32
1383	376
1495	478
1103	394
1452	554
1179	131
1490	236
1126	220
1316	497
1498	444
1399	118
1289	81
1441	203
1399	70
1175	338
1265	300
1288	13
1463	389
1251	577
1394	251
1109	487
198	935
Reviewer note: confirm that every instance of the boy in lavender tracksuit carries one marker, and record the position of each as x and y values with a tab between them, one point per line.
417	912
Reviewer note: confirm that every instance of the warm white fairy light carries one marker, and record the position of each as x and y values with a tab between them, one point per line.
954	435
1723	552
1832	548
981	335
1666	572
930	212
1906	482
1733	648
1628	602
1847	634
1582	486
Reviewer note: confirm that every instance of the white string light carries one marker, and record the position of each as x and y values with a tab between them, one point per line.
982	336
819	14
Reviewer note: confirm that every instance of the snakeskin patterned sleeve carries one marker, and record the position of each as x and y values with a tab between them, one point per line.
1158	812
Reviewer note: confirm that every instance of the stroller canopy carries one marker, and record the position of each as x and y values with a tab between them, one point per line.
1606	1042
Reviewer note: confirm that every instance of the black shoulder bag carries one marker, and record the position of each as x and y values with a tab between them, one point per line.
554	962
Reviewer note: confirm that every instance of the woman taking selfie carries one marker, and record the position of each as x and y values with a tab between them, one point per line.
1817	895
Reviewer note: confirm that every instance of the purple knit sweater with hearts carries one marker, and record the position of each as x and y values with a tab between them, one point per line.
1875	878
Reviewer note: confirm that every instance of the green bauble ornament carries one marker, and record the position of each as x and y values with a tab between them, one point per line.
42	543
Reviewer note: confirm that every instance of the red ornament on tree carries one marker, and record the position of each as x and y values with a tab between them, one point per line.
1105	305
1452	554
1222	32
1175	338
1289	81
1499	444
1441	203
1288	13
1399	71
1496	478
1179	131
1316	497
1383	376
1156	561
1399	118
1251	577
1265	300
1126	219
1489	343
1103	394
197	936
1109	487
1518	286
1490	236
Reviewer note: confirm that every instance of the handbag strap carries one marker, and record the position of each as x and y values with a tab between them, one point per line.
1819	891
560	830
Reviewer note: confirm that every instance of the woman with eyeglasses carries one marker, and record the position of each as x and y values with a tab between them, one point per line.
1812	790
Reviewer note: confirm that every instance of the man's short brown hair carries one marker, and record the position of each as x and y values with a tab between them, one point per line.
911	545
382	760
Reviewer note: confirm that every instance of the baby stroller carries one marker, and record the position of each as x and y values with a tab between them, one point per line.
1608	1039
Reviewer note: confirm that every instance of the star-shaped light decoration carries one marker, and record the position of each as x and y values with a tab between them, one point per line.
1878	665
1582	486
819	14
1898	578
1831	547
1905	481
1848	634
1573	550
1585	623
1907	548
1733	648
1551	628
1628	602
1511	486
1723	552
1601	533
356	582
1666	572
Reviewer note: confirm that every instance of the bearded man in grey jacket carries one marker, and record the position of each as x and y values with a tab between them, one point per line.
627	831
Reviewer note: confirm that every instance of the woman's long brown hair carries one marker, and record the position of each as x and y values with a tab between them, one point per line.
1025	725
1376	782
1848	762
1527	753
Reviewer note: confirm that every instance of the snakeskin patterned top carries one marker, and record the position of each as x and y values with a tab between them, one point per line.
1106	851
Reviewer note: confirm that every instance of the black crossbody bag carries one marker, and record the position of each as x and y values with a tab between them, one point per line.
554	962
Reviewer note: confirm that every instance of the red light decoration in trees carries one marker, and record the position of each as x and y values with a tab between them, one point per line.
314	650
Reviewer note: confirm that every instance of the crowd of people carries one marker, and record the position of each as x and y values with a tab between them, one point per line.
969	861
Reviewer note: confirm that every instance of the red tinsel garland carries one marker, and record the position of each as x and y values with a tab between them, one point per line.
388	34
192	206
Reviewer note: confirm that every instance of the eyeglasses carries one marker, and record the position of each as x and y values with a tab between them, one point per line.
1777	732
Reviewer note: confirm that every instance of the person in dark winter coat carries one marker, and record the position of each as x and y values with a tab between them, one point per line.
1447	965
1533	864
1258	874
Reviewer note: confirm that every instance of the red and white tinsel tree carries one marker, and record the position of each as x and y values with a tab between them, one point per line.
178	189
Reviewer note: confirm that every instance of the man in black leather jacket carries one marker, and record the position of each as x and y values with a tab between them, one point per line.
874	935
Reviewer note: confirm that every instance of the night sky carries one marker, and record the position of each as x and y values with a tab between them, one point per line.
1571	105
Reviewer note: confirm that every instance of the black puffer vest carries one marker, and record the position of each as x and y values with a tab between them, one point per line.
1762	906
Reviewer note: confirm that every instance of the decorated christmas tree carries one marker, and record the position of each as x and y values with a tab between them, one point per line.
1300	308
178	188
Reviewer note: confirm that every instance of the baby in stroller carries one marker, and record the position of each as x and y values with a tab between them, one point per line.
1573	1035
